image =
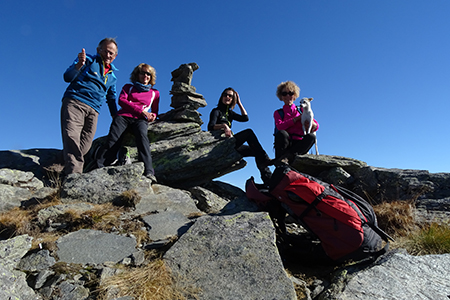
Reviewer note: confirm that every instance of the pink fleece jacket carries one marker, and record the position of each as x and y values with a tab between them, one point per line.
133	103
295	130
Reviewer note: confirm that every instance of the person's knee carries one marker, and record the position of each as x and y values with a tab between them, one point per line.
311	137
282	134
282	138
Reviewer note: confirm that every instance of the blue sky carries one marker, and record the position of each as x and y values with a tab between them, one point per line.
378	70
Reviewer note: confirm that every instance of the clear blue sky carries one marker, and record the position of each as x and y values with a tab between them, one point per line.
378	70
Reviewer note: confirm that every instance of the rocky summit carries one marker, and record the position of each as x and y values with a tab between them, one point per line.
215	243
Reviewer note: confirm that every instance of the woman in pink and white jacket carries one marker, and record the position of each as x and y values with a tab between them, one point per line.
135	100
289	139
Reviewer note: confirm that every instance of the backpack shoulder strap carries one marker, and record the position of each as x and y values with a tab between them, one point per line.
281	112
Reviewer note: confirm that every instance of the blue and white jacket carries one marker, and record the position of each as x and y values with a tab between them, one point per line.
89	86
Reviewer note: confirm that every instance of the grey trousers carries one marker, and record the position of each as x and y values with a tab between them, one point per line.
78	126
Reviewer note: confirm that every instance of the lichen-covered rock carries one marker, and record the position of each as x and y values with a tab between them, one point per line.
94	247
231	257
104	185
398	276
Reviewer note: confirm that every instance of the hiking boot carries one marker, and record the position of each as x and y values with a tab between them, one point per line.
264	161
152	177
287	158
266	175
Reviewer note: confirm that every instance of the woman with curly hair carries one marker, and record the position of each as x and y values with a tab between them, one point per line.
289	140
221	118
135	100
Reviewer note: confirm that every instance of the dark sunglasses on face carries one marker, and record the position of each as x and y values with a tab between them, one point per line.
287	93
228	95
146	73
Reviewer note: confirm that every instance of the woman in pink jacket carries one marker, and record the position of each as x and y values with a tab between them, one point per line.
289	139
135	100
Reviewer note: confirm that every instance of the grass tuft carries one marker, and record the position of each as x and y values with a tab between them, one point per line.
396	218
431	239
151	282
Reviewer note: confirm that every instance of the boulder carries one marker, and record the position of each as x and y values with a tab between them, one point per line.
231	257
94	247
104	185
13	282
396	276
183	155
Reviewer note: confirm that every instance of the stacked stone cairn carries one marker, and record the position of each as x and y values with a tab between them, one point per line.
185	99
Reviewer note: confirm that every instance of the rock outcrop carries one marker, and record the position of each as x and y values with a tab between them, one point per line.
214	241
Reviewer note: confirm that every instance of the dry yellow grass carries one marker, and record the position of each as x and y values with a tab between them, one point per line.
151	282
396	218
15	222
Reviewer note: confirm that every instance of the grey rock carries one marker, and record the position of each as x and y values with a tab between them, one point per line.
31	160
13	283
41	278
12	196
104	185
236	198
12	250
231	257
208	201
107	272
38	261
14	286
166	224
92	246
164	197
376	184
183	155
185	113
315	164
239	205
183	74
185	162
157	244
52	213
69	291
185	99
138	258
20	179
336	176
225	190
433	210
402	276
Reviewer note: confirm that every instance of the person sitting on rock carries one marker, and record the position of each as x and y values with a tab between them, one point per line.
221	118
289	140
135	100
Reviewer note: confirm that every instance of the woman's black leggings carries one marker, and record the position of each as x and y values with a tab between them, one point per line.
284	144
254	149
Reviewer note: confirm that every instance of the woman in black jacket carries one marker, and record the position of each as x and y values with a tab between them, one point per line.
222	117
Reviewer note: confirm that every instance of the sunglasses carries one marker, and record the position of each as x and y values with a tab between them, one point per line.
287	93
228	95
146	73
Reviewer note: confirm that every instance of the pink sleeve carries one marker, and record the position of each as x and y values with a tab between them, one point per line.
282	124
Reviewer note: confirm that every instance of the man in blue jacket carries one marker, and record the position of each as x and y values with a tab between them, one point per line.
92	80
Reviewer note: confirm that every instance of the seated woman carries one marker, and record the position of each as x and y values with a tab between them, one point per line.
222	117
289	140
135	100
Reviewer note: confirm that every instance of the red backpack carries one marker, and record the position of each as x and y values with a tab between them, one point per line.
345	223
